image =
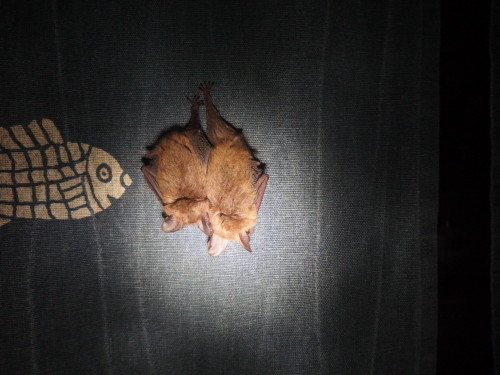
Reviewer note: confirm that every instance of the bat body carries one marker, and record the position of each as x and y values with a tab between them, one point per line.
210	180
235	181
175	168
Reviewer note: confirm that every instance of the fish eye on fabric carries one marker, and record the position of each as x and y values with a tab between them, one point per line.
104	173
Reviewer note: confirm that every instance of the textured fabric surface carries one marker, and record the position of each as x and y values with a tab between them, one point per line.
340	101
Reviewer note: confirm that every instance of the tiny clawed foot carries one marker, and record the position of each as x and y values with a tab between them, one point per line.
206	86
195	100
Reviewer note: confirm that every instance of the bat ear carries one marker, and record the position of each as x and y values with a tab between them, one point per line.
217	245
171	224
205	225
260	186
150	177
245	240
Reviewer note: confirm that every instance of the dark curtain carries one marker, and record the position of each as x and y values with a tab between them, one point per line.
340	99
495	180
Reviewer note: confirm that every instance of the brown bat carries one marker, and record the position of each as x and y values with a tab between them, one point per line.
235	181
175	168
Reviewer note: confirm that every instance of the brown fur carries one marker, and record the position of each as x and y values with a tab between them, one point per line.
232	174
230	190
181	178
178	171
217	185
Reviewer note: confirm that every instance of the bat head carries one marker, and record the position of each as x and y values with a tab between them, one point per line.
186	211
227	227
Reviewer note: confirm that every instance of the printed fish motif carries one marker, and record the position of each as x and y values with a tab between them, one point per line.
44	177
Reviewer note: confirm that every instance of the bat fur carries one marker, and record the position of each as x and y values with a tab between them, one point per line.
235	181
176	168
216	183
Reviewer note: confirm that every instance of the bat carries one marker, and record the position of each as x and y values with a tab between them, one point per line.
175	168
235	182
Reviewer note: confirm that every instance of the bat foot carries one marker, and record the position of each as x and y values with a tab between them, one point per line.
206	86
195	101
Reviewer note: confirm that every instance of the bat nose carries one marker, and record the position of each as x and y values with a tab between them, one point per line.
125	180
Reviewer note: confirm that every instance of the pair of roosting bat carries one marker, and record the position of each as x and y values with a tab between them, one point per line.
212	180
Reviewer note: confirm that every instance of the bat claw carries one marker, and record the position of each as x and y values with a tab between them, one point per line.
195	100
206	86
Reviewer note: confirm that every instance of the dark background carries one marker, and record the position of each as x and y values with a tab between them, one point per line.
464	339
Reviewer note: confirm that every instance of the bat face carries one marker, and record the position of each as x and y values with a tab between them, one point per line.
235	221
213	181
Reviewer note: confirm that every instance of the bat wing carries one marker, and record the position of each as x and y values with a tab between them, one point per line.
260	186
194	130
194	120
218	129
245	241
201	144
205	225
150	177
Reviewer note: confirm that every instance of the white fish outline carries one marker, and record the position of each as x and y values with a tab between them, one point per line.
43	177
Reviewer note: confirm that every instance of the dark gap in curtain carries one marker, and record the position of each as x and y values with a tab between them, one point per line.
495	180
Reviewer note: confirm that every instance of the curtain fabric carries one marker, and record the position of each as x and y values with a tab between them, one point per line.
340	100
